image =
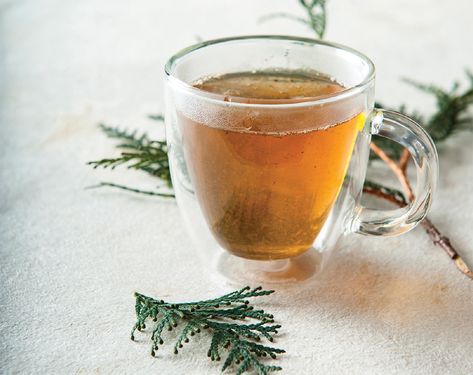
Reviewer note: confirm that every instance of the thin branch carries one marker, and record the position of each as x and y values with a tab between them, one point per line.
399	170
444	242
315	12
401	176
123	187
404	160
386	196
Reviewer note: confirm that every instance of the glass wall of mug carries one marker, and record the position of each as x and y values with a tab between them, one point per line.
266	186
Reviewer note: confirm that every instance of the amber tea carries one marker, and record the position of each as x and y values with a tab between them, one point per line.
266	180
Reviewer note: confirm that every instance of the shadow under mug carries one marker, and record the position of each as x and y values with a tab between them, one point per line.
267	189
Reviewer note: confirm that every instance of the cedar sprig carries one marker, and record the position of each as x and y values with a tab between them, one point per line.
452	108
315	17
241	341
450	116
139	152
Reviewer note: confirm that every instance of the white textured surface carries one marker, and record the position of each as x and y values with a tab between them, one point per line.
71	258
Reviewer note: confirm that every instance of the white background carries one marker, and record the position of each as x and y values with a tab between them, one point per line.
71	258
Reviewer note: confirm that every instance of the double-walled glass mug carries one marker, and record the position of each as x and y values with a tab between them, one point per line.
267	187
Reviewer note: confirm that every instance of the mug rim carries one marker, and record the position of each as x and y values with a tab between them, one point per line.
218	98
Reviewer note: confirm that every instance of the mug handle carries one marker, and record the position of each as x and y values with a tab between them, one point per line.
409	134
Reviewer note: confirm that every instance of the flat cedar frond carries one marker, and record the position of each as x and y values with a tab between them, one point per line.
240	341
316	14
138	152
450	116
452	109
129	137
315	17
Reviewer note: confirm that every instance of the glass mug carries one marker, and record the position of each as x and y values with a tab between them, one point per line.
267	188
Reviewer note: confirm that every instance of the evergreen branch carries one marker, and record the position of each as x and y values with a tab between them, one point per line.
316	16
450	116
139	153
130	137
239	340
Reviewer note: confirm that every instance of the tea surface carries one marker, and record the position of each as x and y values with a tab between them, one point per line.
270	85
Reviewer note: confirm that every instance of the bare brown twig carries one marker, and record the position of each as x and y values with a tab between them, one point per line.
400	174
438	239
381	194
404	160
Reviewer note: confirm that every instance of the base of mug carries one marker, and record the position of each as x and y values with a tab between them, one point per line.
238	270
268	254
